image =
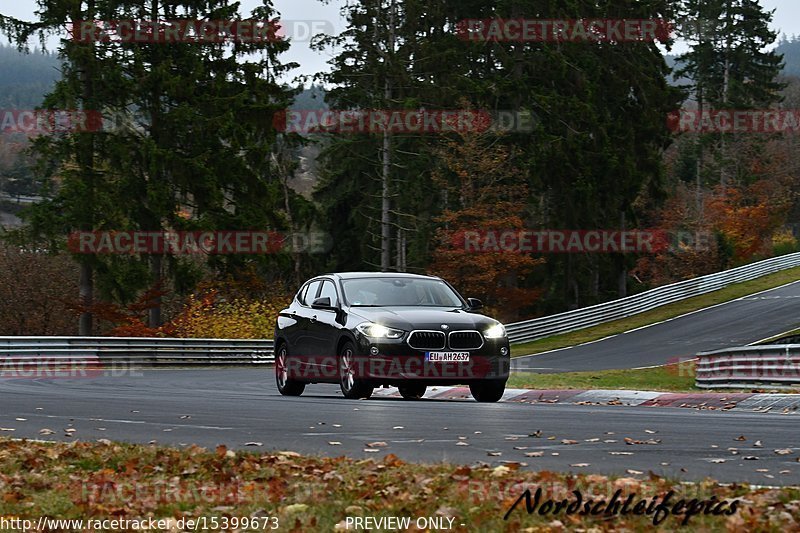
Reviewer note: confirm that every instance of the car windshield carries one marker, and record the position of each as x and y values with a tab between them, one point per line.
390	292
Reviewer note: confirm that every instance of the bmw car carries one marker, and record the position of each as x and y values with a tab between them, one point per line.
368	330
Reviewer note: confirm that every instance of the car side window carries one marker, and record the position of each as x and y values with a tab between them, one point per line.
329	291
311	293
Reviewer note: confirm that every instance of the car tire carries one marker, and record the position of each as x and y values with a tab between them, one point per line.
412	392
488	391
286	386
352	387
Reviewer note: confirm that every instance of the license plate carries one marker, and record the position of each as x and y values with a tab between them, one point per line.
447	357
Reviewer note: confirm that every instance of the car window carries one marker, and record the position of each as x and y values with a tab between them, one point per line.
311	292
329	291
399	292
301	294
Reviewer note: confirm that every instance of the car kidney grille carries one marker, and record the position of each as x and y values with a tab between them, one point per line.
465	340
426	340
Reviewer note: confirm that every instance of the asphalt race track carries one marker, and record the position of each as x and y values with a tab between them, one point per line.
736	323
240	406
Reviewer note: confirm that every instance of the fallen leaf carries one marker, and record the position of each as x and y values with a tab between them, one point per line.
500	471
295	508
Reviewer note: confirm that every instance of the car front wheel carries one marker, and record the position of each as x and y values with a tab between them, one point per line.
412	392
488	391
352	387
286	386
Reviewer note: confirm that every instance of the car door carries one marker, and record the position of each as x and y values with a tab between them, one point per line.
324	332
301	347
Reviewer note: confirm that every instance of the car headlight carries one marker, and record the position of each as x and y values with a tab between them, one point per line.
376	331
495	332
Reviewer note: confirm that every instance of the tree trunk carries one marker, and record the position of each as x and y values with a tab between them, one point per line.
386	228
86	291
154	313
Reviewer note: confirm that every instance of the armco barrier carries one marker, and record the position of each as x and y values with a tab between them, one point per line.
772	366
144	351
547	326
185	352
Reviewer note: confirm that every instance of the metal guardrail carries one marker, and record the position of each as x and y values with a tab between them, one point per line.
539	328
136	351
155	351
774	366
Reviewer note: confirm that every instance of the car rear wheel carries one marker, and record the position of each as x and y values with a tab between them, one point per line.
412	392
488	391
352	387
286	386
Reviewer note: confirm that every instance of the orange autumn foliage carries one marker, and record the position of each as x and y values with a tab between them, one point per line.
489	193
750	216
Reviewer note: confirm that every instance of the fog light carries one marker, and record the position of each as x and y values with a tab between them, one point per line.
503	351
374	350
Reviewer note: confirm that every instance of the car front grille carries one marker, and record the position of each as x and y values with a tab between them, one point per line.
465	340
426	340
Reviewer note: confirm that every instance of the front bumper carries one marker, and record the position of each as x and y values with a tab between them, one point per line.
396	363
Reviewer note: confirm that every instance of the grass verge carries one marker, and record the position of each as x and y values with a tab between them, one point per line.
108	480
657	315
672	378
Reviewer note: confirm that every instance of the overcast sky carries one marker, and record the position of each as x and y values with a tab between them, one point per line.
786	20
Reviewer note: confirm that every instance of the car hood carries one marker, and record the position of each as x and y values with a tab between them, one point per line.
411	318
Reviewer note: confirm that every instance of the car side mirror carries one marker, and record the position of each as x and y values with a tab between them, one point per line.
474	304
322	303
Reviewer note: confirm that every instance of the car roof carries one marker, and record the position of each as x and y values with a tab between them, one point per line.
353	275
